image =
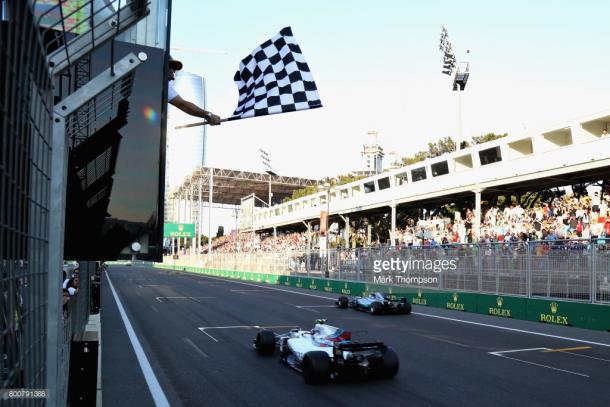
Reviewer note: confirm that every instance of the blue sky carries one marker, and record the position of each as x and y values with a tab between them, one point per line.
378	67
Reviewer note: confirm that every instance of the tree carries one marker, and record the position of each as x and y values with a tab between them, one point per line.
347	178
439	147
418	157
299	193
487	137
442	146
312	189
380	227
447	145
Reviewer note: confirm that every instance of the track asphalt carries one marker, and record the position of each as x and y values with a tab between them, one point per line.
197	331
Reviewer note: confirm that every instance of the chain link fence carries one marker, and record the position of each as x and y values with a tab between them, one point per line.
567	269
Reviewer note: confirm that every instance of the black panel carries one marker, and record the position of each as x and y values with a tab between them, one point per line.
115	189
441	168
490	156
418	174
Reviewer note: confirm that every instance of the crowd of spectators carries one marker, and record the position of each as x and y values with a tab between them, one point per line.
70	284
258	243
565	217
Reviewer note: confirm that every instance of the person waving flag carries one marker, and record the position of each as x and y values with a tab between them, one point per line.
273	79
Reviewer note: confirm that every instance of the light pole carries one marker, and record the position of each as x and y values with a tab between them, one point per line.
327	188
462	73
267	164
236	215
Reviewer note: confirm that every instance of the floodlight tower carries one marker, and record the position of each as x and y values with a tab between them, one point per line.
267	164
462	73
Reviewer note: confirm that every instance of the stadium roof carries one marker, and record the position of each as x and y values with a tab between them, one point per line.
231	185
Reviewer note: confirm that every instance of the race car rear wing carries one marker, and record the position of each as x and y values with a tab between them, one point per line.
358	347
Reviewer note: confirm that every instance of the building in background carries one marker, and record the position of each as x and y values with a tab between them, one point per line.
372	156
186	148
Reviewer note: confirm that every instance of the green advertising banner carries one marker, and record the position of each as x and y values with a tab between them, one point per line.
548	311
178	230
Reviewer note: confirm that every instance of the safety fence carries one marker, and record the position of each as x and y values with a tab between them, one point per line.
25	149
41	44
567	269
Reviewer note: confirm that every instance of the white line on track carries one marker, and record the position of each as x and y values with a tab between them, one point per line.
585	356
306	307
497	353
565	338
315	306
214	339
429	315
204	329
269	288
436	338
149	375
154	308
180	298
249	291
540	365
197	349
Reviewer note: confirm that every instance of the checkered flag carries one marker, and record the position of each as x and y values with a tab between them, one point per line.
275	78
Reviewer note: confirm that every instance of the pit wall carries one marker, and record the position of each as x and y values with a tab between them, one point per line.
566	313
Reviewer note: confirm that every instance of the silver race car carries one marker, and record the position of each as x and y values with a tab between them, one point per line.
376	303
327	352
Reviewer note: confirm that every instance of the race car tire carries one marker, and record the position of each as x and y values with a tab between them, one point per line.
407	307
317	367
265	342
376	308
389	365
343	302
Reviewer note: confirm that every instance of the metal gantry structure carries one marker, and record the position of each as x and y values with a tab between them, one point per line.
225	188
229	186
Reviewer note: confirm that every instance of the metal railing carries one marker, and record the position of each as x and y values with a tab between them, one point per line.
568	269
74	29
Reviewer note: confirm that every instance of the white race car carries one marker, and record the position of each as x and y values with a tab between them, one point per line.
376	303
327	352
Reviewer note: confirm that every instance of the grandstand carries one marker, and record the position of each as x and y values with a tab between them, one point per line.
572	153
568	154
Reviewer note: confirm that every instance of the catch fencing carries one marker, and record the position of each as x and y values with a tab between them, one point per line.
562	269
25	150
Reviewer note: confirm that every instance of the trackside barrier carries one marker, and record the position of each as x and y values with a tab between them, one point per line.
566	313
232	274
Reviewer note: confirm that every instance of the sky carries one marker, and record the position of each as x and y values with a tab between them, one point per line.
377	66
